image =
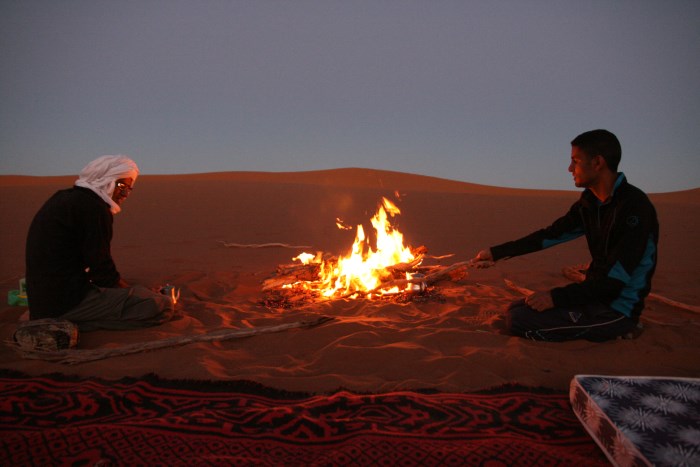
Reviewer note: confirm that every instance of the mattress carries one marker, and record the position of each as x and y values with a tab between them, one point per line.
640	421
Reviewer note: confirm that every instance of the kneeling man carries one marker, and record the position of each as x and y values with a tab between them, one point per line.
69	268
622	232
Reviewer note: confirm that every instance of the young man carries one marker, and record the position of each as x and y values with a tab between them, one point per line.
69	268
622	232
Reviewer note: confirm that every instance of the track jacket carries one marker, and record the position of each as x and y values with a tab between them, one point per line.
622	235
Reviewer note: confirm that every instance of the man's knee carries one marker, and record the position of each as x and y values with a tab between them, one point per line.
517	319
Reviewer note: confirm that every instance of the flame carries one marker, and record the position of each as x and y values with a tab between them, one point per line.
341	225
363	269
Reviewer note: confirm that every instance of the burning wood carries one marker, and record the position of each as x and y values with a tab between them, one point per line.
291	274
386	268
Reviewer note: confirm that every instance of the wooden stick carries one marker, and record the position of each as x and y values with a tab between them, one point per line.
73	356
668	301
450	255
431	278
576	275
403	267
445	272
521	290
304	272
264	245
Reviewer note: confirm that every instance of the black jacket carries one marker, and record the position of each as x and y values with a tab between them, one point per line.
68	252
622	236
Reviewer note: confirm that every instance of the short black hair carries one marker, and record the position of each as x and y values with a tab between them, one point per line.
600	142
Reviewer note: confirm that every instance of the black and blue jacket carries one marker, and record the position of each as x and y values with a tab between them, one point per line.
622	235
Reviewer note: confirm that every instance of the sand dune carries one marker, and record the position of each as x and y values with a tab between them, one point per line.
173	226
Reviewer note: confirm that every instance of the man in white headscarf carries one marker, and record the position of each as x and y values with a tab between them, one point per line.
69	268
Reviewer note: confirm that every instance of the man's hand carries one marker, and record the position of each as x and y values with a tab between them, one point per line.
540	301
483	259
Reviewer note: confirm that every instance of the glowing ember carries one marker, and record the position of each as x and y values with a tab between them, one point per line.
364	269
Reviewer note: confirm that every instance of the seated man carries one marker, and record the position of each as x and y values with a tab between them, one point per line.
622	232
69	268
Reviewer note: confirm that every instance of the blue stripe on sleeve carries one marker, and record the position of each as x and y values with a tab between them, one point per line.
567	237
634	283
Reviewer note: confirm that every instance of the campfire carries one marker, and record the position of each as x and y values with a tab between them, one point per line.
386	268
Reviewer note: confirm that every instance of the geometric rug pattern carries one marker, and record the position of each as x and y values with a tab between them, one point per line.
59	420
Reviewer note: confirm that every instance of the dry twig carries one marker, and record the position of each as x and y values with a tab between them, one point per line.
74	356
263	245
521	290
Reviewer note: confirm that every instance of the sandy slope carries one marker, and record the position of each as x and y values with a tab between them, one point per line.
172	227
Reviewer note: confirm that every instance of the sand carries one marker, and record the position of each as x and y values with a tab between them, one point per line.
172	228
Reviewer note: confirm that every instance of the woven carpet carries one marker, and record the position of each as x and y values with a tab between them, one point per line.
57	420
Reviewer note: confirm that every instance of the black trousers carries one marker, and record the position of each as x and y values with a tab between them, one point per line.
596	323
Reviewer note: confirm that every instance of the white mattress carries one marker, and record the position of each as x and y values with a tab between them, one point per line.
639	420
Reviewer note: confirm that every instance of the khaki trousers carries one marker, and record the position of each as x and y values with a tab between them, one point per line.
115	308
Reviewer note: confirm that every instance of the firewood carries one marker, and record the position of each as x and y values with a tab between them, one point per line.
292	273
405	267
443	273
449	272
419	251
300	269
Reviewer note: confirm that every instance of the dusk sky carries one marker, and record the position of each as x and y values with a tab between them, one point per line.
489	92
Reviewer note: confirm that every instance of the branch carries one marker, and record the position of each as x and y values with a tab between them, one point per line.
521	290
264	245
73	356
444	273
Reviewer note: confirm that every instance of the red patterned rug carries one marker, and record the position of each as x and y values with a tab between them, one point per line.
55	420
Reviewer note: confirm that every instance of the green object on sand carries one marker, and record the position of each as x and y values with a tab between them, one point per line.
18	297
14	298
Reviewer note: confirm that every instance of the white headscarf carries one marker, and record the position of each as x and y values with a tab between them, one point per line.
101	175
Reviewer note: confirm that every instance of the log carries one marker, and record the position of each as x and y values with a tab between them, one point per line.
444	273
73	356
419	251
405	267
448	272
284	269
292	274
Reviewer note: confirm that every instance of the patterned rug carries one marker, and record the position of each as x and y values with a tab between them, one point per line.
58	420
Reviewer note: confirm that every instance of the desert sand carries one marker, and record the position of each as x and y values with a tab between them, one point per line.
172	230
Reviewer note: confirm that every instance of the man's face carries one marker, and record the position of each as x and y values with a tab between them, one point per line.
122	188
583	168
